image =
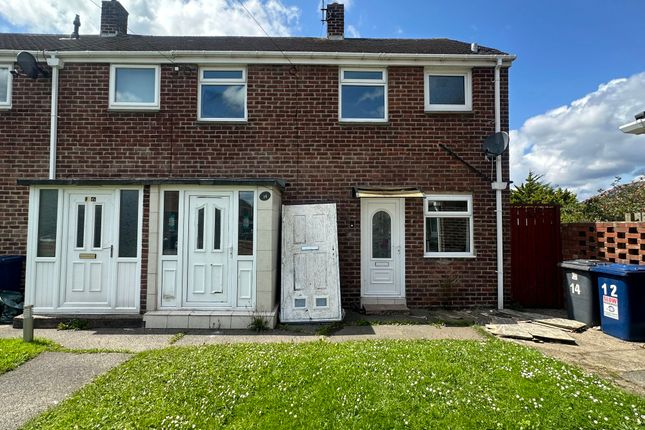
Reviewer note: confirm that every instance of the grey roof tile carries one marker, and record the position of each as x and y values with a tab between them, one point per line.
39	42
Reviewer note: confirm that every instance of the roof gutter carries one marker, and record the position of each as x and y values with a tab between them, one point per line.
296	57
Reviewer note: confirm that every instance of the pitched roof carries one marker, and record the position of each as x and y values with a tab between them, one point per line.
39	42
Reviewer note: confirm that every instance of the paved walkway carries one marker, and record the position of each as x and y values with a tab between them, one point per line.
45	381
137	340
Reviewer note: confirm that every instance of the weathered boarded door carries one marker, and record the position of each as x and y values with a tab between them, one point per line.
310	278
536	250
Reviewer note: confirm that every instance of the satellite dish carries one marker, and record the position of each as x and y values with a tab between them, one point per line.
496	144
29	65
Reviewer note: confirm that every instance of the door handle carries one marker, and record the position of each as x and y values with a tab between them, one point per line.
111	250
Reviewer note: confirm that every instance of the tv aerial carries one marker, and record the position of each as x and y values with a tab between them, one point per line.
495	144
30	67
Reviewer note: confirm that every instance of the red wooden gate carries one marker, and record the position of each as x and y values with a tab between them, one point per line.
536	250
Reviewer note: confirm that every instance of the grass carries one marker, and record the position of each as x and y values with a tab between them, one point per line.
14	352
444	384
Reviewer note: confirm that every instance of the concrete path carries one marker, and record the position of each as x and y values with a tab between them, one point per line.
621	361
45	381
137	340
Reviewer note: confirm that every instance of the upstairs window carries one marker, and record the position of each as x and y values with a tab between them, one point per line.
448	225
222	94
5	87
363	95
448	91
134	87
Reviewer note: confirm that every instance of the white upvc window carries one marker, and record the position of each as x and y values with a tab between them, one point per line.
222	94
5	86
134	87
362	95
448	90
448	226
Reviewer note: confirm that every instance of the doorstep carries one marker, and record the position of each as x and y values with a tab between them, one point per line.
207	319
93	320
384	305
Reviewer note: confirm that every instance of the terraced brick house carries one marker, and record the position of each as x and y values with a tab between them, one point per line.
145	175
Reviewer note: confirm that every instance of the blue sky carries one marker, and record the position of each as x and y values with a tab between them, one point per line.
580	71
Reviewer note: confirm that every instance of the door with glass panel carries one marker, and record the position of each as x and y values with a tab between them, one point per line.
209	250
382	247
90	249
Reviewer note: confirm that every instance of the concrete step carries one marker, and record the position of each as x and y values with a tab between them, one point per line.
383	309
89	321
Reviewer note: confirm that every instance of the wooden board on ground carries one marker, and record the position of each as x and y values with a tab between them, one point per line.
545	320
530	331
512	331
542	332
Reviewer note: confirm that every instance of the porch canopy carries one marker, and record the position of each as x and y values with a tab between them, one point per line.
380	192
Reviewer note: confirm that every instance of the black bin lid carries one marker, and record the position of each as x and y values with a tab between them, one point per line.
580	264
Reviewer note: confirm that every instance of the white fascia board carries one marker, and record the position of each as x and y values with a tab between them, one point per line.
636	127
271	57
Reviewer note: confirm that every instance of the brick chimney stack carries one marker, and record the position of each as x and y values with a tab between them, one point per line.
335	21
114	18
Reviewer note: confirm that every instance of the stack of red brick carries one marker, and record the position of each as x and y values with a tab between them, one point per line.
619	242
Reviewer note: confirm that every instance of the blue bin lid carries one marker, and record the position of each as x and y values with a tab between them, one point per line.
619	269
11	258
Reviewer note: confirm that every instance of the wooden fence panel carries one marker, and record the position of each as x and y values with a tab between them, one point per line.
536	250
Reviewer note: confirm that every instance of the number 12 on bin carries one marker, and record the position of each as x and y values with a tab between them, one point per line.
611	287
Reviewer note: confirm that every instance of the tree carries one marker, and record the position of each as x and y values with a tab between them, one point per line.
614	203
534	191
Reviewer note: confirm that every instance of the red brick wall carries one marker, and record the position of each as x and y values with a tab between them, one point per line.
618	242
292	133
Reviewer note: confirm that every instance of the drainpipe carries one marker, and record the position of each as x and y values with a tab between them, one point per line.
55	63
498	186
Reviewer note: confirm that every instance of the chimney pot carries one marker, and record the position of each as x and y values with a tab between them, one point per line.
335	21
114	18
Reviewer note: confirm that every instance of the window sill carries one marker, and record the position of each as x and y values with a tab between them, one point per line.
431	111
5	107
448	256
364	123
134	109
221	122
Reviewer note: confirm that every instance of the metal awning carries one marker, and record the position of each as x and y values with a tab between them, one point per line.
375	192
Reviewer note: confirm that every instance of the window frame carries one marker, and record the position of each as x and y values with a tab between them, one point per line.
468	198
468	90
7	103
363	82
153	106
222	81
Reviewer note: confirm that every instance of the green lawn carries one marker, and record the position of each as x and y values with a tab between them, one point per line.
361	385
14	352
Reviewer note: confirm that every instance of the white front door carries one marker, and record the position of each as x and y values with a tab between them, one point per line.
209	250
382	248
90	250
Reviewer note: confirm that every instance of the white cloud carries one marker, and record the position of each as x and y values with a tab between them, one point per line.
159	17
579	146
352	31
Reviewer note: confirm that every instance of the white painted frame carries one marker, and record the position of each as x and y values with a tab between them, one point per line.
468	198
60	259
182	257
114	105
366	251
6	104
217	81
468	90
363	82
